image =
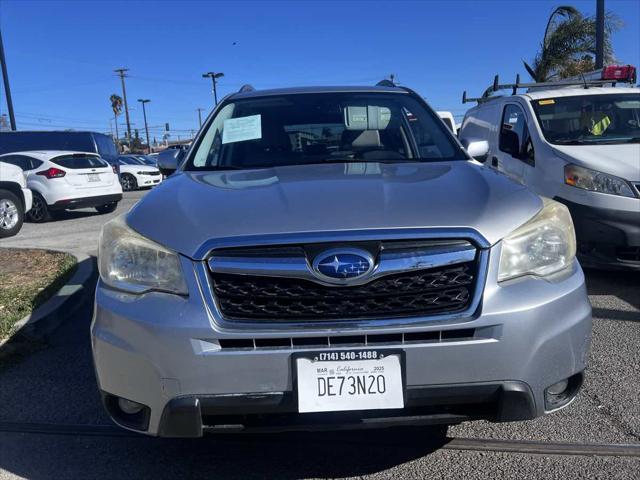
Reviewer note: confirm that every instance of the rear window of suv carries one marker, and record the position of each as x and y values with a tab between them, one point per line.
80	161
311	128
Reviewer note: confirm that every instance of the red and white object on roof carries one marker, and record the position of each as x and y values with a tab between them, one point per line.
615	73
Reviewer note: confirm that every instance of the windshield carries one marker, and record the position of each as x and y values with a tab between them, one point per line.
301	129
590	119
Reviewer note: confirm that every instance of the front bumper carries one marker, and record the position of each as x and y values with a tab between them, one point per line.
148	180
165	352
607	238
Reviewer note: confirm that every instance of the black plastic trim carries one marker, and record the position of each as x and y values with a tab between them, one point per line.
190	416
86	202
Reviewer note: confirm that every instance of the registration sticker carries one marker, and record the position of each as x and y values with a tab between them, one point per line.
242	128
548	101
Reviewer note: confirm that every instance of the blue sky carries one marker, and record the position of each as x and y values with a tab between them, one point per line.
61	54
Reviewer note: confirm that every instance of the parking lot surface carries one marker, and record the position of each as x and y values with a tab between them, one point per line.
73	230
55	384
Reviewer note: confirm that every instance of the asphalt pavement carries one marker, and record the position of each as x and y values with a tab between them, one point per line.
55	383
73	230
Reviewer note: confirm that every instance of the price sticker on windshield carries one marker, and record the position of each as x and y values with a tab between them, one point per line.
242	128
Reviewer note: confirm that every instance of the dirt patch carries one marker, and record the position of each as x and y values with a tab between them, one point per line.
28	278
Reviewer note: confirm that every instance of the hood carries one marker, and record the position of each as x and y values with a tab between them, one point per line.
189	210
620	160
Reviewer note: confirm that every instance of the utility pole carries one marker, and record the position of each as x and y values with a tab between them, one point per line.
122	74
200	116
214	77
600	33
7	90
144	113
115	120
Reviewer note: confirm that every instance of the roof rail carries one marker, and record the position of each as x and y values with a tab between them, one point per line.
246	88
496	86
385	83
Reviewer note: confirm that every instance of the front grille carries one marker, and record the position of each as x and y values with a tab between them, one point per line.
628	254
416	293
152	174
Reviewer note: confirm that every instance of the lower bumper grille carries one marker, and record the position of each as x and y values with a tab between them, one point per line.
415	293
628	254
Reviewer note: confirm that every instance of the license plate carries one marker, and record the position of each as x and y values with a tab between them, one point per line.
349	380
93	177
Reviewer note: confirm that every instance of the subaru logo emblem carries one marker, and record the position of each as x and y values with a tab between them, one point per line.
342	265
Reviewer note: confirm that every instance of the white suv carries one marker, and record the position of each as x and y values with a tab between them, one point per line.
62	180
15	199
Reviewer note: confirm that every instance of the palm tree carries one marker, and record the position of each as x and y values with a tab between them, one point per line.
116	104
569	45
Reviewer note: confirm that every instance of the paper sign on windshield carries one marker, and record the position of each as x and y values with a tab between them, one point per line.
242	128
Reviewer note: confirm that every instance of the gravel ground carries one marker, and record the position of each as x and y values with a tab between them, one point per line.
55	383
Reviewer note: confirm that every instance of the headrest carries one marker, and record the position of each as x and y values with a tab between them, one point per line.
367	139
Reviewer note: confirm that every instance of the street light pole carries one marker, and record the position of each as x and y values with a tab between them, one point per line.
200	116
146	128
121	73
214	77
7	90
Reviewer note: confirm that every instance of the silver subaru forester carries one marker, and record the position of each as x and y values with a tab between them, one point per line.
334	258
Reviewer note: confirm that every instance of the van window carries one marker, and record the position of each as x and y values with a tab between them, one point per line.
106	147
514	134
26	141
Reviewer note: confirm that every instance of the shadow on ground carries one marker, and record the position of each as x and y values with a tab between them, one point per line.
624	285
282	456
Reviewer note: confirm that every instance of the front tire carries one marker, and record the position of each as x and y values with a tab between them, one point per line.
39	212
108	208
128	182
11	214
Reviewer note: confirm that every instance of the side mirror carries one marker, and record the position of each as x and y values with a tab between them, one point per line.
168	161
510	143
478	149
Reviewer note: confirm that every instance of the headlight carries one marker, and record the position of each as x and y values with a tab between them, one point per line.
586	179
128	261
542	246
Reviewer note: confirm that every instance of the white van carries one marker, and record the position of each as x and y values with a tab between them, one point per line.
449	121
578	144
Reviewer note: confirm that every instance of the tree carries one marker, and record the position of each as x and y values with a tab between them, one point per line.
568	47
116	104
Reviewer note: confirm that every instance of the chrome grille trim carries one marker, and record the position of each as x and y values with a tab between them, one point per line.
205	283
390	263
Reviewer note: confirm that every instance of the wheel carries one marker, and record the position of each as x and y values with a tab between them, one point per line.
39	212
11	214
128	182
108	208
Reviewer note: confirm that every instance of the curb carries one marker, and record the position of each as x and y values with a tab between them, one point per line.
48	316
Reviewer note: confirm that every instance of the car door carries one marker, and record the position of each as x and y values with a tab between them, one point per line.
515	149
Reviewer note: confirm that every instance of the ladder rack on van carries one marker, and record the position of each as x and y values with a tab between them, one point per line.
609	75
